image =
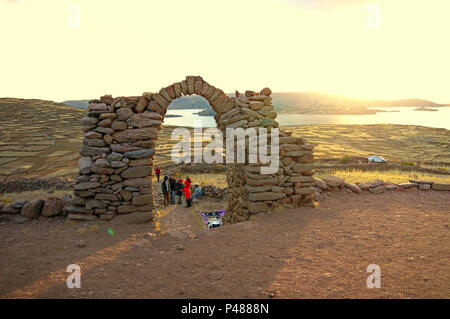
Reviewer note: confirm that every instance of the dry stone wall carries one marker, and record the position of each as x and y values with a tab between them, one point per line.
120	137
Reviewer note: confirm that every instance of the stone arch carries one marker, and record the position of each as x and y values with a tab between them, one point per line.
119	144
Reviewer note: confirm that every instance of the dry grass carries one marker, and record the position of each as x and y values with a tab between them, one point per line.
393	176
216	179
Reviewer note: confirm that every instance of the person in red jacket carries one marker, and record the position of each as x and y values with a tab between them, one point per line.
187	191
158	172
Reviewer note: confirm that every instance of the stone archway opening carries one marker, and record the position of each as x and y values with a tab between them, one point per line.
119	145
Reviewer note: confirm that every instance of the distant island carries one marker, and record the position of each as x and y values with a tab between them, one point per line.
207	112
302	103
425	109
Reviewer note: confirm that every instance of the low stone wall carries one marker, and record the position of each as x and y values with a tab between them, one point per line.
26	184
24	211
333	184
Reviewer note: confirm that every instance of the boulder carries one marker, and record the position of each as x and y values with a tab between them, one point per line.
391	187
94	203
102	170
77	201
256	105
136	172
124	113
371	184
119	125
354	188
225	106
304	190
440	187
107	116
287	140
140	154
97	106
104	130
109	197
89	121
126	195
262	182
102	162
94	142
142	104
92	135
53	206
420	181
422	186
407	185
333	181
378	190
114	156
257	189
142	199
141	162
32	209
118	164
265	91
86	185
143	122
93	151
132	135
123	148
105	123
138	182
266	196
320	183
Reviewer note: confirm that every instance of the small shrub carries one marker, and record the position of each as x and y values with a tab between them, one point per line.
408	163
345	159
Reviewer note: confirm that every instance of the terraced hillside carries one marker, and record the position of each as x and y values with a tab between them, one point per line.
39	138
42	138
396	142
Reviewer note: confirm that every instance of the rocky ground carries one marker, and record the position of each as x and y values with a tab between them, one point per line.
320	252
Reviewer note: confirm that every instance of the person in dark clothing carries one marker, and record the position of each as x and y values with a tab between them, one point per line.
179	191
173	189
157	172
165	187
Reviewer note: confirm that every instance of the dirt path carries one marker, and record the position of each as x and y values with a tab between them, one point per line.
178	218
303	253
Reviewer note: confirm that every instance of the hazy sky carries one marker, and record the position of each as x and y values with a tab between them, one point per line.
371	49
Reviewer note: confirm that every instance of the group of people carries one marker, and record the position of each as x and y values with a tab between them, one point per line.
173	191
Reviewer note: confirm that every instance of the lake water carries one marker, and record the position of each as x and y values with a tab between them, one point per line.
405	116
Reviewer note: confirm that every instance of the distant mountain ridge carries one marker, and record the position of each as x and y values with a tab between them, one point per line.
299	102
323	103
